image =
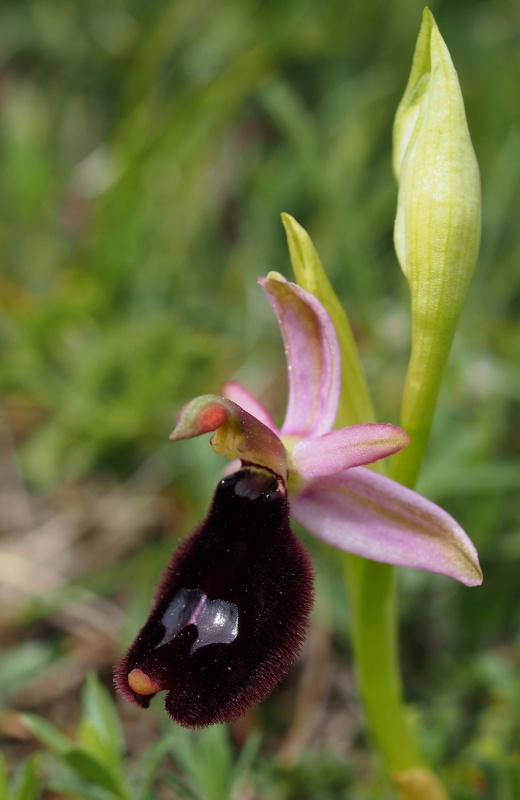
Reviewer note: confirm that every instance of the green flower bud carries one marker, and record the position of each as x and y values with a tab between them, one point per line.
437	226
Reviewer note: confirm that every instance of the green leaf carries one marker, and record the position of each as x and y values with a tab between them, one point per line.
206	760
148	765
202	761
100	730
26	784
4	781
71	787
216	754
22	663
46	733
183	751
88	765
182	792
92	770
247	757
96	745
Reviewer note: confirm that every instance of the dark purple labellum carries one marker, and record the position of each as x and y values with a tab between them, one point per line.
231	611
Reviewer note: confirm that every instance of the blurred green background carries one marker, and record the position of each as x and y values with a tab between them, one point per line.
147	149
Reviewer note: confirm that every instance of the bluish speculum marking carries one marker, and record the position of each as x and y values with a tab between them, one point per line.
216	620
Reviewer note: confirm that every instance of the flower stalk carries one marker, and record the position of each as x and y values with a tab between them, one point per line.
437	233
371	585
437	236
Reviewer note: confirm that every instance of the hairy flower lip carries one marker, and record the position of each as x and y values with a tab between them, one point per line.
231	611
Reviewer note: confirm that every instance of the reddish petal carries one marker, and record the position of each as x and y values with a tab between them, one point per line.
238	434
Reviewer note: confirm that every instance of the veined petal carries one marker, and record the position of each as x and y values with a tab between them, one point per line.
313	357
238	434
234	391
372	516
346	448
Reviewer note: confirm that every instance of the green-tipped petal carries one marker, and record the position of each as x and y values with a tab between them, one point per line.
437	227
237	433
355	403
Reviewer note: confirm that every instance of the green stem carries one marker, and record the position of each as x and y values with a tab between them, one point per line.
406	464
373	595
372	590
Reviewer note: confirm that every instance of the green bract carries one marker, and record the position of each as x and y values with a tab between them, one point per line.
437	227
355	403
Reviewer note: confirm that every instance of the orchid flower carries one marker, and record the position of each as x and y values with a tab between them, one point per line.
231	611
331	496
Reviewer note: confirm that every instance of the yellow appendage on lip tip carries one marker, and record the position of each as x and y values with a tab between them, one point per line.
141	683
